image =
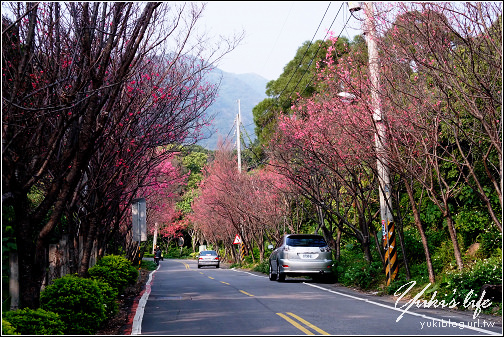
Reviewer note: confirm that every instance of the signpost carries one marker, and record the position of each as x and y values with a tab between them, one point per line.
238	241
139	229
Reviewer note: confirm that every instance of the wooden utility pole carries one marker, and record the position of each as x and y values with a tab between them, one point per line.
385	192
238	140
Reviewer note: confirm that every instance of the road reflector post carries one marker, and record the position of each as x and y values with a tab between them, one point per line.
392	266
242	250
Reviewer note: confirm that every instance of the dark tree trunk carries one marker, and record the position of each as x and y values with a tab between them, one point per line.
419	226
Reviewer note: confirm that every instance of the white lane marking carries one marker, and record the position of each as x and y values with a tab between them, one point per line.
398	309
137	321
246	272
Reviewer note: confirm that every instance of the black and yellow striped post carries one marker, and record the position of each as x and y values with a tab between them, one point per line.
242	251
389	243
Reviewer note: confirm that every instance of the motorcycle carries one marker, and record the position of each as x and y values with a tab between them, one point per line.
158	255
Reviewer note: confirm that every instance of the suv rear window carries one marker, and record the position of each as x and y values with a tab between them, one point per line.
208	252
306	241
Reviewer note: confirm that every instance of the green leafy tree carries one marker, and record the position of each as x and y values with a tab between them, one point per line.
296	80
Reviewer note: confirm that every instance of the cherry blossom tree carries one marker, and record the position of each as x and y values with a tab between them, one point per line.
84	112
448	56
442	83
327	146
229	203
441	93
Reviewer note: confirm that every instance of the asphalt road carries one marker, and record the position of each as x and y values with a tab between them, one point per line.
181	299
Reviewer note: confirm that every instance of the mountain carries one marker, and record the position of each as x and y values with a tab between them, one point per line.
249	89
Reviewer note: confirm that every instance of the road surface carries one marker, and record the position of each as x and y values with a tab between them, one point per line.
181	299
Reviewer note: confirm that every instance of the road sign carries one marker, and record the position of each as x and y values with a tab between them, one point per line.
138	211
237	240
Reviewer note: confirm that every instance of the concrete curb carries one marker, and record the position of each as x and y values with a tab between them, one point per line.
134	326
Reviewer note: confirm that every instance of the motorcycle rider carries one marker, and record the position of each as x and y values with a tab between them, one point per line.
157	255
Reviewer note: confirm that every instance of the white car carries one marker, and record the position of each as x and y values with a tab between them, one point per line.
301	254
208	258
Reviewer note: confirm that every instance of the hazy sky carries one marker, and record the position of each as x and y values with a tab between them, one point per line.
274	30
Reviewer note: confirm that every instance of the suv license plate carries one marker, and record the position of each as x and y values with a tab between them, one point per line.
307	256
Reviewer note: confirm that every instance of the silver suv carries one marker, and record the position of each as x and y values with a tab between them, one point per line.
301	254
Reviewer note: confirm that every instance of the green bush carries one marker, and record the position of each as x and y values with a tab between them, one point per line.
491	241
8	329
458	285
32	322
413	246
115	270
109	297
149	265
262	267
79	302
361	274
354	270
174	251
419	272
442	257
397	283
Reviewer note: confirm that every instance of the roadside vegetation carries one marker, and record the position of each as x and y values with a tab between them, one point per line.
79	147
74	305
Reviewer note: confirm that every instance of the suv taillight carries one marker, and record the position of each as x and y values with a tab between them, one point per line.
325	249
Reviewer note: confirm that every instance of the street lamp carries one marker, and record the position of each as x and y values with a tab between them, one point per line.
347	97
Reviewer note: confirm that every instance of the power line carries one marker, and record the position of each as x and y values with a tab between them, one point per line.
344	27
277	98
232	128
315	54
306	51
313	77
278	36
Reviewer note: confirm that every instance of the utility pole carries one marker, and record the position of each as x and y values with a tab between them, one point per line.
238	141
387	219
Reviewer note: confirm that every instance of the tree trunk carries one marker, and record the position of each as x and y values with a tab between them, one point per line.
73	255
419	226
88	246
401	242
338	244
401	239
31	262
366	249
14	280
453	236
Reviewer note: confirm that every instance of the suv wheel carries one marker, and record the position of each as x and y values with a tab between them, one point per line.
272	276
280	276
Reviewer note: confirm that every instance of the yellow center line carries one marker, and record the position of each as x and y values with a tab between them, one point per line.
246	293
185	264
224	282
296	324
308	324
211	277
